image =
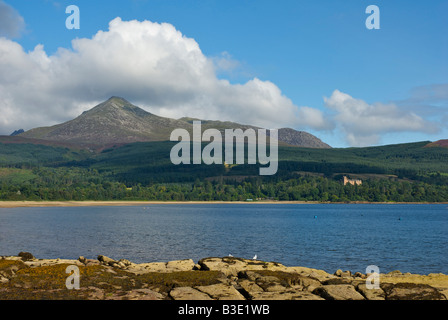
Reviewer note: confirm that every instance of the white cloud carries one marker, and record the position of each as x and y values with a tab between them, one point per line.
314	119
364	124
225	63
11	22
150	64
158	68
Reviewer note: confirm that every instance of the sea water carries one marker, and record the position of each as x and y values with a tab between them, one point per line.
406	237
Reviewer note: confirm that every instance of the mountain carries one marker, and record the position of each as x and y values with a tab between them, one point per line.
17	132
117	122
300	138
286	136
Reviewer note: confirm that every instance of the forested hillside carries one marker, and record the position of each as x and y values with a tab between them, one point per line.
143	171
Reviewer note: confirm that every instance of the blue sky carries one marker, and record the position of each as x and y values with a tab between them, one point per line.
346	84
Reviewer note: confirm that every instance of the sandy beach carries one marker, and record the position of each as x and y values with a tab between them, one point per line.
18	204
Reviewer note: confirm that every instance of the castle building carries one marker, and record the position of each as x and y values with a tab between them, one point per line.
352	181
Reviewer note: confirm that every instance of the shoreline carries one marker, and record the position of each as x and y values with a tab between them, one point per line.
31	204
213	278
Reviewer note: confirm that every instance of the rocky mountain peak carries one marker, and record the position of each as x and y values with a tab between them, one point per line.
117	121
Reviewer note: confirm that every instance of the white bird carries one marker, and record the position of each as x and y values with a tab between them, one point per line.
255	257
230	255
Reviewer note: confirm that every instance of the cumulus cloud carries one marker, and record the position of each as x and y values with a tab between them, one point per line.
314	119
225	62
156	67
364	123
150	64
11	22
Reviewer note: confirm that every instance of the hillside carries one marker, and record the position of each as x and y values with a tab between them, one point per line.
440	143
117	151
143	171
116	122
286	136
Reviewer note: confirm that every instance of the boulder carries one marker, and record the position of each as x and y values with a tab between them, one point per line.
411	291
91	262
106	260
125	262
309	284
338	292
26	256
371	294
180	265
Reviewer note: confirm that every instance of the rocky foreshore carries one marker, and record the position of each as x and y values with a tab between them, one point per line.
24	277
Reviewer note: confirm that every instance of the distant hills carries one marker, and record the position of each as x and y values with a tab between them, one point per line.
117	122
440	143
17	132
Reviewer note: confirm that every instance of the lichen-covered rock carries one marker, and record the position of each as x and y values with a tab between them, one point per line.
371	294
211	278
411	291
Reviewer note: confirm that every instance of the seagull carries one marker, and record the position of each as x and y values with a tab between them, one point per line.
230	255
255	257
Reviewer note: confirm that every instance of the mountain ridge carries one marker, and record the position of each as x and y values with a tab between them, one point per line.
116	121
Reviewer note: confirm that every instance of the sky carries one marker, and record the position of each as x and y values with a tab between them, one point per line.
309	65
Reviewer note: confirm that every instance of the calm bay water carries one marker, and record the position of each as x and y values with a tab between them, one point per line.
409	238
